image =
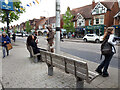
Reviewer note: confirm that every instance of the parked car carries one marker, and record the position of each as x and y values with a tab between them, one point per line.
93	37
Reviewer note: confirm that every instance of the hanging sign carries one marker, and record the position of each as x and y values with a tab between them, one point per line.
6	5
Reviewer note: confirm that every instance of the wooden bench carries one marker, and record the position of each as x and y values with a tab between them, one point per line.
76	67
32	55
29	49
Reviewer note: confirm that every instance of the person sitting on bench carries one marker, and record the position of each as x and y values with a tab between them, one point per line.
31	42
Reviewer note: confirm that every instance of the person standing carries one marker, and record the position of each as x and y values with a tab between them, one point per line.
50	39
61	37
5	40
109	38
14	37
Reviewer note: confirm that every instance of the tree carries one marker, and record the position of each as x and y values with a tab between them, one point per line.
13	15
67	19
28	27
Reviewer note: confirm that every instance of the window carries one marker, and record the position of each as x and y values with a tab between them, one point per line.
97	11
97	20
101	21
90	35
90	22
100	10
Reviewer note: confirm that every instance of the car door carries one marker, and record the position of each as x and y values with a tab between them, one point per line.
93	37
90	37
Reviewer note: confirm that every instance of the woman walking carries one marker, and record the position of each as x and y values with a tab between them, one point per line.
110	39
5	40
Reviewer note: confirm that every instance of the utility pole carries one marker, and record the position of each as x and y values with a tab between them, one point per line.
57	39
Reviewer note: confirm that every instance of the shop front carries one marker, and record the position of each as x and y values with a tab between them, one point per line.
117	30
97	29
80	32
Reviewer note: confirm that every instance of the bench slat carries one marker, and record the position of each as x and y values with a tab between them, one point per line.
92	76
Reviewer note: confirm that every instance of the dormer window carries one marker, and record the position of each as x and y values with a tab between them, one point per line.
99	9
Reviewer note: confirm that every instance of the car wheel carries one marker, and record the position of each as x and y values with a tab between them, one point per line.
97	41
85	40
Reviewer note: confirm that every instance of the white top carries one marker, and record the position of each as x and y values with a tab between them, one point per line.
111	41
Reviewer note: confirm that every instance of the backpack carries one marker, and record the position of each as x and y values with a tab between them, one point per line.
106	48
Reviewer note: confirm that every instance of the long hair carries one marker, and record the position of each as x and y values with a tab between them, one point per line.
108	32
29	40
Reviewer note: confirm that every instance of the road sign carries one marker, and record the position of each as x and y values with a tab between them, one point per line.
6	5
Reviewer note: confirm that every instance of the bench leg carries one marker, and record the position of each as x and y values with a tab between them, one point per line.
35	59
50	70
79	83
31	55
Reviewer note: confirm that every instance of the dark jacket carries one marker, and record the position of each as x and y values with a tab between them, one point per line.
7	39
50	37
34	46
14	36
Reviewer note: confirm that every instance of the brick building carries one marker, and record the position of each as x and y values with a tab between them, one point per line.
94	18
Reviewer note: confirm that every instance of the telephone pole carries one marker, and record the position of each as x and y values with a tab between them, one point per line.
57	39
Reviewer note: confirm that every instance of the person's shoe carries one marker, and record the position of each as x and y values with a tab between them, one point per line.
7	54
3	56
99	71
105	75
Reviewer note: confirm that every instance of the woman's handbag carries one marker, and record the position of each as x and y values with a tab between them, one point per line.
9	46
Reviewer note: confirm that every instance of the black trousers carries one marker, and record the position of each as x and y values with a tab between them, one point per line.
105	63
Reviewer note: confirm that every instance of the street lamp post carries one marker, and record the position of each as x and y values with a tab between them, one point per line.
57	39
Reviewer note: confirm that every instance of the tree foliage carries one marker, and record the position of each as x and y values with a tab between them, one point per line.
67	19
13	15
28	27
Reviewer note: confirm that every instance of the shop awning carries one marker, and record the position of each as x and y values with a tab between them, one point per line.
116	26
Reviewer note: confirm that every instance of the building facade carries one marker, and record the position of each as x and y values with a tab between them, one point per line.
95	18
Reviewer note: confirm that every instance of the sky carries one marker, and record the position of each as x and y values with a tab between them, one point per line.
47	8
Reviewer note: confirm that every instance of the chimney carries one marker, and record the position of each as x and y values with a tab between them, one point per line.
93	4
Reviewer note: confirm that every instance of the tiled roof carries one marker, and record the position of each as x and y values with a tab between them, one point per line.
53	19
108	5
41	21
85	11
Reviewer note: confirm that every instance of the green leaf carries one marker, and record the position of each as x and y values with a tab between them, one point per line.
67	19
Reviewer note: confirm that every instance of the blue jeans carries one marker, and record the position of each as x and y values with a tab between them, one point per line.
4	51
105	63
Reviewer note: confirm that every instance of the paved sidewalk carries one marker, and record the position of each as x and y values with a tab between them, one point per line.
19	71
